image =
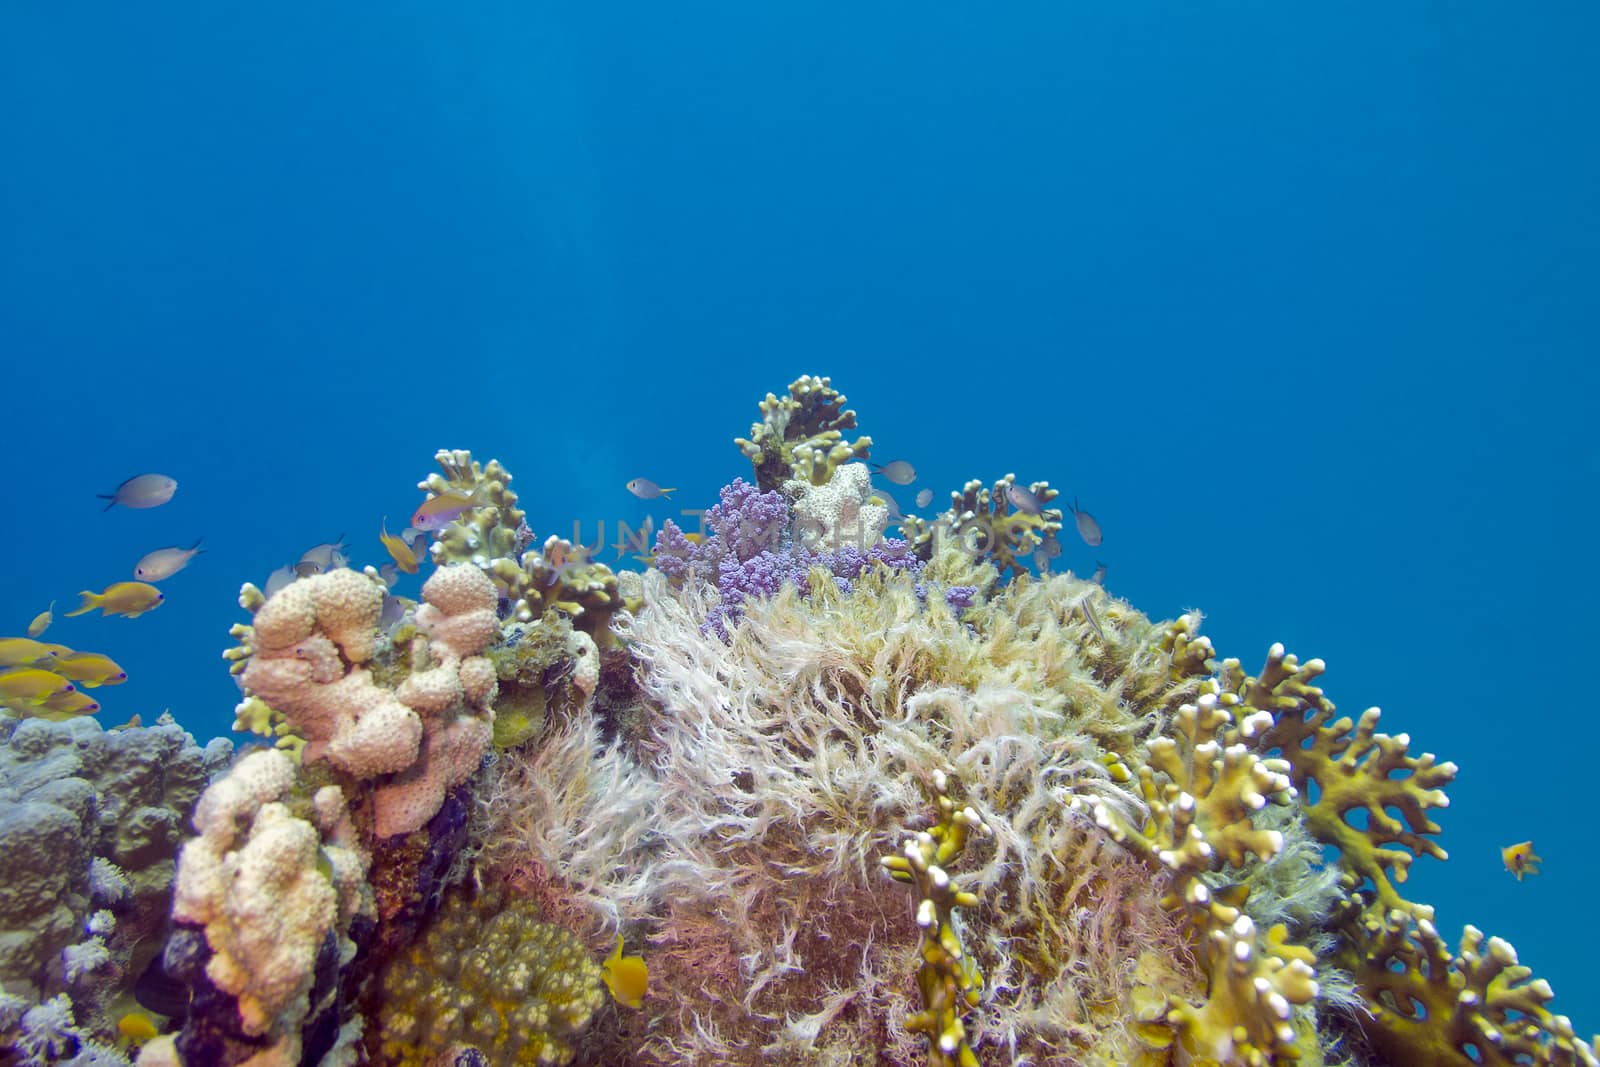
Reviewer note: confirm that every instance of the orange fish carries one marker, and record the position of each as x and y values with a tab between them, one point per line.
1520	860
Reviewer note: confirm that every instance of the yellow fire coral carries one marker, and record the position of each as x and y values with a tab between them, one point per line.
948	978
801	435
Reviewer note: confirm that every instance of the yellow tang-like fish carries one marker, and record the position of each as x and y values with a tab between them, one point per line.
121	598
89	669
1520	860
41	622
22	651
31	686
68	705
399	551
626	977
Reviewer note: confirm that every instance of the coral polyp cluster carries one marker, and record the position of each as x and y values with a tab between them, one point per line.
852	798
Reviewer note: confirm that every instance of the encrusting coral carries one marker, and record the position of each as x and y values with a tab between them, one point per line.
489	975
1113	839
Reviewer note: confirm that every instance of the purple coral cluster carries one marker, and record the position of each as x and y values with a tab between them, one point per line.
748	549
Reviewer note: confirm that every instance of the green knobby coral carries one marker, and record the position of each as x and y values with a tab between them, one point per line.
802	435
487	974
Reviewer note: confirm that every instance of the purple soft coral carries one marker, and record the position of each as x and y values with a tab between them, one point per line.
745	524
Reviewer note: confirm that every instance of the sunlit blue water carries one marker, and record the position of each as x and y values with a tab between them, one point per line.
1299	302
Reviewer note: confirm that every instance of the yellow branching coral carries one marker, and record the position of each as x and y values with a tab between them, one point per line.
1479	1006
1204	787
988	525
493	528
948	978
802	435
491	533
1353	767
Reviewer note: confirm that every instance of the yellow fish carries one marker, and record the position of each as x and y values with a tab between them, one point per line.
22	651
1520	860
32	686
137	1026
399	551
69	705
41	622
626	977
89	669
121	598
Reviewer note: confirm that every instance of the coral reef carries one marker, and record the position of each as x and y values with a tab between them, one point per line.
739	762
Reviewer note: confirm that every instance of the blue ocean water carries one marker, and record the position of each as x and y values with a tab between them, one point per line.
1298	301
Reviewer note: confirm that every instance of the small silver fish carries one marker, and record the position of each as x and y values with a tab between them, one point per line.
645	489
889	504
897	471
1088	617
165	562
1088	529
142	491
280	578
323	558
1023	500
924	498
1099	575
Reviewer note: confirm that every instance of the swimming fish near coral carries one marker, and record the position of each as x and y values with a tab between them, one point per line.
897	471
1520	860
41	622
278	579
1099	575
399	551
1088	529
1023	500
165	562
924	498
23	651
69	705
626	977
563	559
89	669
31	685
645	489
328	556
142	491
440	511
121	598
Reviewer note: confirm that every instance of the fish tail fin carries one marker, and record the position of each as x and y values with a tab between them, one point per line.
90	602
108	496
195	548
668	492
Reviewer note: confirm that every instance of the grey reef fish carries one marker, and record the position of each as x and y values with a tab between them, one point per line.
142	491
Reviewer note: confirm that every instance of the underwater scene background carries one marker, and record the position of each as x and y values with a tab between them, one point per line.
1297	301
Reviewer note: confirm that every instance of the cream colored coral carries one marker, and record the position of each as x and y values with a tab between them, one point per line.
836	513
251	879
